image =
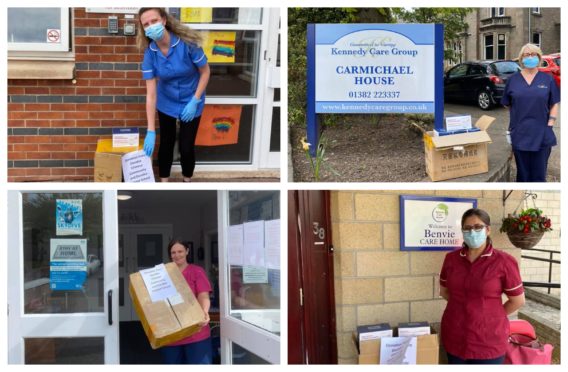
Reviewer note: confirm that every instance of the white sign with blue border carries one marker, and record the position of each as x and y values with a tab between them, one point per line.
430	223
374	68
67	264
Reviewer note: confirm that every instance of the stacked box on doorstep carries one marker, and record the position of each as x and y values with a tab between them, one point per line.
458	153
171	319
368	341
108	160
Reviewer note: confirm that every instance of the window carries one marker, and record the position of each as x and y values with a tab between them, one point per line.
535	10
38	29
476	70
501	46
488	39
458	71
497	12
536	38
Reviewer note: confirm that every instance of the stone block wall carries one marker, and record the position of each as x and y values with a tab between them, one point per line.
376	282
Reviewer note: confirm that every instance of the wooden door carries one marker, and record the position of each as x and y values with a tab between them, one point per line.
311	323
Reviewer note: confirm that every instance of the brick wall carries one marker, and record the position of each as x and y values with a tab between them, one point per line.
537	271
376	282
54	125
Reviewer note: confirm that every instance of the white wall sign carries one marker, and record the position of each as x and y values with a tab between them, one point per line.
432	223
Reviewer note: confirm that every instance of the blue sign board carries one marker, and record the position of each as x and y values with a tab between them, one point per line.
432	223
374	68
68	264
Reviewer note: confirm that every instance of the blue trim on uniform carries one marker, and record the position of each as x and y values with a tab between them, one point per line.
311	116
177	73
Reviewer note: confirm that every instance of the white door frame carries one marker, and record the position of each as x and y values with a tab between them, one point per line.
256	340
22	325
270	159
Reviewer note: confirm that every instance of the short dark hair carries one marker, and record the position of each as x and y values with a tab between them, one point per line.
480	213
175	241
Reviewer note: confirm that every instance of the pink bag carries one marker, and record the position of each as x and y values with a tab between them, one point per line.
524	349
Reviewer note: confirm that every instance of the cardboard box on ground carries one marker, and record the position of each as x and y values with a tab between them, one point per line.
427	350
108	160
166	321
458	155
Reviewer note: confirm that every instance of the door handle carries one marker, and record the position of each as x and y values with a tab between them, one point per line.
109	301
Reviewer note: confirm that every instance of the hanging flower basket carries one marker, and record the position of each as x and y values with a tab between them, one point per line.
526	229
524	241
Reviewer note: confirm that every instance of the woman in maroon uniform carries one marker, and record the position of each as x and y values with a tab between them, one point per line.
475	328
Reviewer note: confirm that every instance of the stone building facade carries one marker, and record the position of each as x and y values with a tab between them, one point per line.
499	33
377	282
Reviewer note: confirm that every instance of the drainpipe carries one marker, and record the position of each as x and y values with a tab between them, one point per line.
529	11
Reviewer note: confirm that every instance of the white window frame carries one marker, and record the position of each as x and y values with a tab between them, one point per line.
62	46
539	38
504	45
485	46
535	10
56	325
258	341
255	151
496	12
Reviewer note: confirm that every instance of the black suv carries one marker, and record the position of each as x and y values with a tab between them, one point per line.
478	81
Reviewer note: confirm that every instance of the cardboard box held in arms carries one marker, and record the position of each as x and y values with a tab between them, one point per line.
168	320
458	155
108	160
427	349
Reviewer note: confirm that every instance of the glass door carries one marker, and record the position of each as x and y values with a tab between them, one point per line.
63	270
249	261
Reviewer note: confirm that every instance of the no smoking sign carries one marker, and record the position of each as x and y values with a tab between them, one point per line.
53	36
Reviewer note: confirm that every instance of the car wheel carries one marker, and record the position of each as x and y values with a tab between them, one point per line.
484	100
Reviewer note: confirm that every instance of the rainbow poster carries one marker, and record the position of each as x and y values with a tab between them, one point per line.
219	125
219	46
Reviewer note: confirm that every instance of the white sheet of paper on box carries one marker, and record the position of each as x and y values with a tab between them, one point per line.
137	167
125	137
158	283
458	122
398	350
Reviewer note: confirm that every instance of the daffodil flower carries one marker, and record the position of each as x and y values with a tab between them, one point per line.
305	145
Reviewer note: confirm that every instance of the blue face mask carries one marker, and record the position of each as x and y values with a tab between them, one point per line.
530	62
474	239
155	31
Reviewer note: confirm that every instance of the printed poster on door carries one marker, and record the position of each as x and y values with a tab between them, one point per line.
67	264
196	15
219	46
69	217
219	125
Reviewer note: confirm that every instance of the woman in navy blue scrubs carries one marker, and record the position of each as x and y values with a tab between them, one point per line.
533	100
176	72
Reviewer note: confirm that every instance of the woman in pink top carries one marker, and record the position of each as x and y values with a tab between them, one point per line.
194	349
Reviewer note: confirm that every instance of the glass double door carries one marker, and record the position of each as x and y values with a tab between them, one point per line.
68	263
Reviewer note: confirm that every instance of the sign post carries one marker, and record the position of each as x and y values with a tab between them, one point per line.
373	69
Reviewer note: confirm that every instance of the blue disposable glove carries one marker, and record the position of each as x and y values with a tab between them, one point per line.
190	109
149	143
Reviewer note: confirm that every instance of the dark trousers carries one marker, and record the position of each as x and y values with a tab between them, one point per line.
452	359
187	134
195	353
532	165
